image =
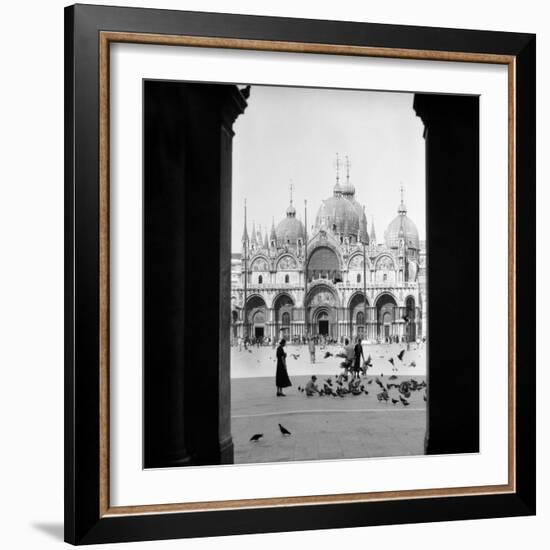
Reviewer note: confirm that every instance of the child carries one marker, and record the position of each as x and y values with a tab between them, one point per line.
311	387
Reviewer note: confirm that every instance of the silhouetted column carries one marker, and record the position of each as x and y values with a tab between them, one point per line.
452	188
187	218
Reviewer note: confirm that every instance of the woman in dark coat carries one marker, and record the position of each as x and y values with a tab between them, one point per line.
281	376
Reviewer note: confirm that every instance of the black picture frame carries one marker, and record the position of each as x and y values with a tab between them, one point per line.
85	519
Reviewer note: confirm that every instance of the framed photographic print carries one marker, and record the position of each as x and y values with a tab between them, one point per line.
299	274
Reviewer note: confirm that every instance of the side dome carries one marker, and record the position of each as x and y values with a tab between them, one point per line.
402	227
290	229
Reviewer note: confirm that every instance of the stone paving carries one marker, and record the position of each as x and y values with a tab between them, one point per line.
323	427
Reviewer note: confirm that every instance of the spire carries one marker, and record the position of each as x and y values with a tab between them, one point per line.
402	211
305	221
337	187
253	240
348	189
244	239
402	208
273	234
266	242
372	232
363	234
291	211
259	235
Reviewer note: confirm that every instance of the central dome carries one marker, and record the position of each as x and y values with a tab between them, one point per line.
341	215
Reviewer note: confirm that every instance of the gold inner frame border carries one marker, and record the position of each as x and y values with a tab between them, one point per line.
108	37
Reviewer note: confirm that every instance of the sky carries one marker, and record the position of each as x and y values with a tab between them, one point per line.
291	135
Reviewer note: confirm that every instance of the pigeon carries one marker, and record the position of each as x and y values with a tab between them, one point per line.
370	381
249	351
382	396
328	354
366	392
394	401
284	431
403	387
391	360
412	364
256	437
295	355
400	355
404	401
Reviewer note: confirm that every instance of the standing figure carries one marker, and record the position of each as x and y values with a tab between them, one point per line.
311	346
281	376
358	354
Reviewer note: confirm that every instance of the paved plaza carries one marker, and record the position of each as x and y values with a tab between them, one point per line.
324	427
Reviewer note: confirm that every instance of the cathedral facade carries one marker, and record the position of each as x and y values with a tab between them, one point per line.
336	281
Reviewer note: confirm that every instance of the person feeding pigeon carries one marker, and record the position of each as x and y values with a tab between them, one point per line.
311	386
357	355
281	375
349	355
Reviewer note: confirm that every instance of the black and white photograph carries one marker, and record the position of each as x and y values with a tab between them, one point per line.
328	276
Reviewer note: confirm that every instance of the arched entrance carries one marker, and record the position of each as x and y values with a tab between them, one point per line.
321	310
356	311
283	307
322	322
255	317
258	324
385	309
411	318
285	324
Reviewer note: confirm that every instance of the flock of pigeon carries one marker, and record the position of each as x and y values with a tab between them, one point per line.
404	388
368	362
